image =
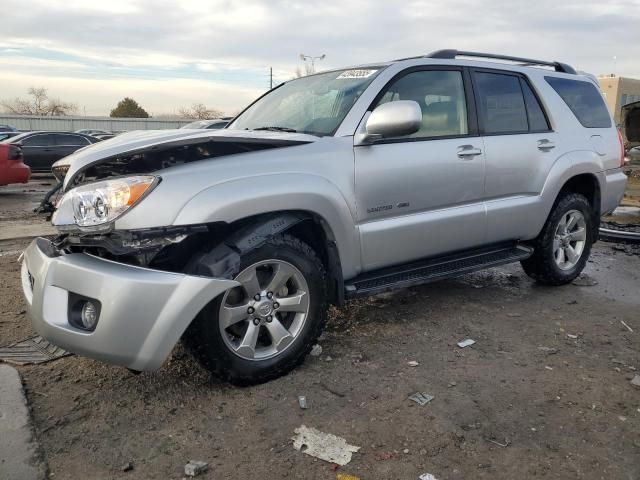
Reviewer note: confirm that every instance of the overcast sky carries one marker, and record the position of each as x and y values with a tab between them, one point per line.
168	54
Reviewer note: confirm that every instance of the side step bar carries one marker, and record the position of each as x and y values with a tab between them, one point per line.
433	269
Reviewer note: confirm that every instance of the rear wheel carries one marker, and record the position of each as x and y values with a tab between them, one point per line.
562	249
265	327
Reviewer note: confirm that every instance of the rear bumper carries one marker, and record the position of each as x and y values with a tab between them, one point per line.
143	312
613	192
13	171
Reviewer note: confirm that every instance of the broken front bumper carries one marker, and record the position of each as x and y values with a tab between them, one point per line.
143	312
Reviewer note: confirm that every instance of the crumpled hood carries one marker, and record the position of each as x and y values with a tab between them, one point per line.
138	142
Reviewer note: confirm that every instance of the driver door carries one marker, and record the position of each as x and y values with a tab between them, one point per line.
421	195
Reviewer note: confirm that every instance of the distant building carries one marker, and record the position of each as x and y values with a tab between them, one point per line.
618	91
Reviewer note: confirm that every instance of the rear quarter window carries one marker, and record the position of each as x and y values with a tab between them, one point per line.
584	100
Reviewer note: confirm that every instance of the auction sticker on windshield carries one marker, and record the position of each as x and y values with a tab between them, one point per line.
357	73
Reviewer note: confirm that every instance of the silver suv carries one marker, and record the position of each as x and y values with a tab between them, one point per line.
329	187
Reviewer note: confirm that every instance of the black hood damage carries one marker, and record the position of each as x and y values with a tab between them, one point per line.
141	153
158	157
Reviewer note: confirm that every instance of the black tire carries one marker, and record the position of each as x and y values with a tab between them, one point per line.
205	339
541	266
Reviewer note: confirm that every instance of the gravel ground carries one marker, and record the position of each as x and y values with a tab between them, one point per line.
544	393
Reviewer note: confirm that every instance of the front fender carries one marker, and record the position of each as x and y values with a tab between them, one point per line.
246	197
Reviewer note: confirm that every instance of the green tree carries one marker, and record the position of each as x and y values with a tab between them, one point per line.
128	108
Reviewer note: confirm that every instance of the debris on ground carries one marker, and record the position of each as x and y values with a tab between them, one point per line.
571	336
466	343
413	363
427	476
344	476
127	467
584	280
195	468
626	326
421	398
635	381
333	390
302	401
316	350
506	442
325	446
548	350
31	350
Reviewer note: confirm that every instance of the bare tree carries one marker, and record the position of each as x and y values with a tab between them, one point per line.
298	73
38	103
199	111
58	108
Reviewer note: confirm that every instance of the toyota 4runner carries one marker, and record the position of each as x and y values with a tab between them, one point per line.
329	187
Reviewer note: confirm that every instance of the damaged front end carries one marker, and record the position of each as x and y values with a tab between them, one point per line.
99	184
164	248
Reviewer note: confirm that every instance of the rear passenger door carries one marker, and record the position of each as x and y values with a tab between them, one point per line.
520	147
67	143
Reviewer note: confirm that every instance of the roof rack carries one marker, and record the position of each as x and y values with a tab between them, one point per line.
452	54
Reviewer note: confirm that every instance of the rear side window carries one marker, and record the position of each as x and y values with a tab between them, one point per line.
71	140
42	140
501	102
537	120
584	100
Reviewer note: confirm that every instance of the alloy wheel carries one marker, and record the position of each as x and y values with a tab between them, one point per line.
261	318
569	239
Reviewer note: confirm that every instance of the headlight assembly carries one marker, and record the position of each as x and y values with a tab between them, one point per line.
98	204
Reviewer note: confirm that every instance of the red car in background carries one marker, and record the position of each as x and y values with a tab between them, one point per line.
12	168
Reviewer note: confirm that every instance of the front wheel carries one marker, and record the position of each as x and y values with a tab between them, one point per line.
562	249
265	327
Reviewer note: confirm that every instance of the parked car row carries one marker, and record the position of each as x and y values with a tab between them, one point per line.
41	149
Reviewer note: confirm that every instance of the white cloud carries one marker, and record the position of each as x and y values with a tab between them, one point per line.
236	42
97	97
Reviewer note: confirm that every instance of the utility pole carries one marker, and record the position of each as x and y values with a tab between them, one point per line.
304	58
270	78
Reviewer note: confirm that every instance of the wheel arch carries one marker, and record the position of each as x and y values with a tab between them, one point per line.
247	234
578	172
585	184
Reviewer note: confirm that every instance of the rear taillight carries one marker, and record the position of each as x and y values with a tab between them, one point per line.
621	148
15	152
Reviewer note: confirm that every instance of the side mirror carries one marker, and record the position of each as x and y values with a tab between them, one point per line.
393	119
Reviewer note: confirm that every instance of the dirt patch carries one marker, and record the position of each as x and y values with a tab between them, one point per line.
17	203
548	377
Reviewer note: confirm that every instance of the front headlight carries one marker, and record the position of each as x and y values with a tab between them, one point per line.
100	203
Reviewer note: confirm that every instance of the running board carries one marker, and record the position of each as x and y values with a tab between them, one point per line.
434	268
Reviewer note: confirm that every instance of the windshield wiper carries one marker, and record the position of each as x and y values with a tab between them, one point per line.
277	129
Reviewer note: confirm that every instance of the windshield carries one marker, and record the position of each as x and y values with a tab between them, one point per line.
16	139
316	104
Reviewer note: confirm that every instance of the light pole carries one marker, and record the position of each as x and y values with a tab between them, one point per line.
304	58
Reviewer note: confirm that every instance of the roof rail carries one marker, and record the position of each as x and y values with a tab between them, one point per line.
452	54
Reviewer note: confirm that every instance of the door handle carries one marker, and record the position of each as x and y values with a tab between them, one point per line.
467	152
545	145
